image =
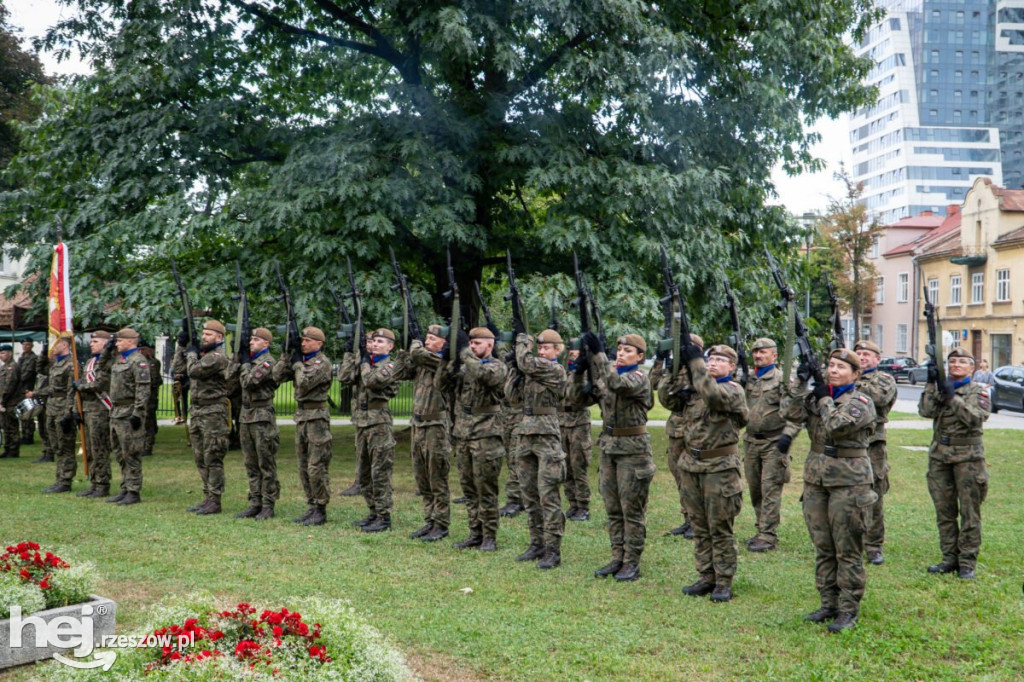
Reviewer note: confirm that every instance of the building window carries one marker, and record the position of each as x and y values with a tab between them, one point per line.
954	290
901	338
1001	350
881	336
977	288
933	291
1003	285
874	246
903	287
880	290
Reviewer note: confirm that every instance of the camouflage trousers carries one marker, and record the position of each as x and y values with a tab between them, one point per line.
624	482
479	465
541	470
430	466
12	429
577	444
874	538
676	447
97	431
375	457
150	426
260	441
28	429
510	441
958	490
712	502
767	471
208	430
126	447
313	451
62	445
837	519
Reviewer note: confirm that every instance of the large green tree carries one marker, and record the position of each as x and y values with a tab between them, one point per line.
304	131
19	71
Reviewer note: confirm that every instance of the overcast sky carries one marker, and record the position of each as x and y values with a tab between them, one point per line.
808	192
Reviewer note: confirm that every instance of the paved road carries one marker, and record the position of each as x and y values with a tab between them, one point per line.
906	401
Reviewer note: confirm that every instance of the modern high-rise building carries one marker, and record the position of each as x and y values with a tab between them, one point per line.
950	79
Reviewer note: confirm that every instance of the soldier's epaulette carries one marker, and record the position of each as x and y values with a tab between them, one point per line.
863	399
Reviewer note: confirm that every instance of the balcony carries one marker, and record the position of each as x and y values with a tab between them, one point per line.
972	256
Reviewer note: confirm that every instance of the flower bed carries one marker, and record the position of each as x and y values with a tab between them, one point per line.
316	639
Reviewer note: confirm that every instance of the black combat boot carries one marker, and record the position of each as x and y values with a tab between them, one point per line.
534	552
250	513
365	521
943	567
489	545
760	545
199	505
351	491
42	458
472	542
436	533
381	523
699	588
117	498
425	530
87	493
266	512
823	614
608	569
58	488
318	517
628	573
100	491
212	506
552	559
130	498
305	517
875	557
844	621
721	593
966	573
508	511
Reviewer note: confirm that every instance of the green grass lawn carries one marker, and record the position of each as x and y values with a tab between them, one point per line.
518	623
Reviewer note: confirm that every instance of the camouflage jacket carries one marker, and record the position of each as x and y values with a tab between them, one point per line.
543	391
714	418
256	378
429	402
571	416
157	379
477	391
28	368
625	400
961	417
95	381
846	424
312	377
765	398
59	391
373	385
678	396
130	385
881	388
208	373
10	384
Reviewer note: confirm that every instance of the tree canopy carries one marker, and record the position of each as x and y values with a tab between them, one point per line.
19	70
304	131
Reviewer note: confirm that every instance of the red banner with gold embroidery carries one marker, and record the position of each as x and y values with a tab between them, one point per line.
60	294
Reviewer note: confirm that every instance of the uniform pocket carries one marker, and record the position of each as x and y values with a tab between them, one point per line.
645	472
864	502
982	483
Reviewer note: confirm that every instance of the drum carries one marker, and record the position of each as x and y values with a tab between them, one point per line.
28	408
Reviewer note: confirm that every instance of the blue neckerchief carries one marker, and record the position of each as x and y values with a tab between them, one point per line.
96	355
262	352
570	366
625	368
125	354
839	390
764	370
439	353
724	380
867	371
380	358
310	356
60	358
554	359
484	361
962	382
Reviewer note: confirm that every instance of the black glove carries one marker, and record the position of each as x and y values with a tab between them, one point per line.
690	352
803	372
77	384
933	373
948	389
76	417
517	327
821	390
111	342
192	349
663	354
590	341
461	342
135	422
296	357
581	364
67	425
669	364
783	443
244	357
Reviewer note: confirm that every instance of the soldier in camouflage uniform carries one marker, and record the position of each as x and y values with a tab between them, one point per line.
10	396
130	385
151	426
374	378
28	369
511	417
206	368
957	477
627	463
258	432
540	457
477	386
765	451
311	371
577	444
60	426
710	467
881	388
94	389
430	434
837	498
677	396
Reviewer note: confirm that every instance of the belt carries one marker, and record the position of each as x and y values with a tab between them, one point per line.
715	452
569	408
205	403
539	411
833	451
312	404
428	417
373	405
258	403
953	440
482	409
624	431
765	436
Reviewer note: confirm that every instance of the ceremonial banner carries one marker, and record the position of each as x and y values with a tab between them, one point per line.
60	322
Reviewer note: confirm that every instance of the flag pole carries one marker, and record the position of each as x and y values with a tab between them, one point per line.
61	279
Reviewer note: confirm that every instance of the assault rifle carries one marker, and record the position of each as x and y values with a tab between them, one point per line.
243	325
677	324
454	322
345	326
519	325
487	312
553	323
358	333
291	330
583	303
409	322
932	349
797	332
736	338
834	320
188	324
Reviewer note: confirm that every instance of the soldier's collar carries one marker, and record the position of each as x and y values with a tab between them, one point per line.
764	370
625	368
59	358
310	356
380	358
126	353
262	352
867	371
962	382
840	390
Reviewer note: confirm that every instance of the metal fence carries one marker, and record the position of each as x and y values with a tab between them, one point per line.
284	400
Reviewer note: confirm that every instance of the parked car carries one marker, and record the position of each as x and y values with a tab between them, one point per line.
918	374
1008	392
898	368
